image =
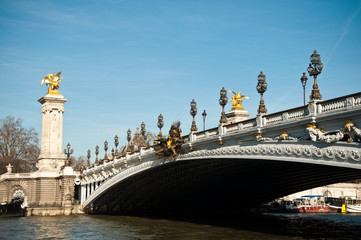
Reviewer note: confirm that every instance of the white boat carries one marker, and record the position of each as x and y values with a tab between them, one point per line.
350	205
353	208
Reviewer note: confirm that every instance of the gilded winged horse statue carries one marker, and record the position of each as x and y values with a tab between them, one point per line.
237	100
52	81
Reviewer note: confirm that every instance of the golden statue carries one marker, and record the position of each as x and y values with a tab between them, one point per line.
237	100
52	81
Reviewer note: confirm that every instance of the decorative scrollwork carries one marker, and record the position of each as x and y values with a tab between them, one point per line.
355	155
317	152
289	151
279	150
329	153
341	154
297	151
262	150
271	150
307	152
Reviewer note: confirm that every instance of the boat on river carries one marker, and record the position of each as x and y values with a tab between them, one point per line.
353	208
350	205
315	204
14	208
305	204
312	204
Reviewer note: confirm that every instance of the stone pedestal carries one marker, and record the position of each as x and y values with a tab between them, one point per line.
236	115
51	157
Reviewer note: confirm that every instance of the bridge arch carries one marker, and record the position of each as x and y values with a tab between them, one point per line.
221	185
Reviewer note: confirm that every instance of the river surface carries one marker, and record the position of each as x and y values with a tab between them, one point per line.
266	226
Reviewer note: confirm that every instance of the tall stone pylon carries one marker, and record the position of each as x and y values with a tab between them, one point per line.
51	157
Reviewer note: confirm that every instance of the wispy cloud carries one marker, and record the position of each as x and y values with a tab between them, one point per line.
55	14
344	31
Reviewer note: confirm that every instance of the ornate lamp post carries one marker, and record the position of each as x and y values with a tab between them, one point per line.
223	101
193	113
304	81
88	156
160	125
314	71
96	155
142	129
116	143
142	132
106	149
129	137
261	88
68	152
204	114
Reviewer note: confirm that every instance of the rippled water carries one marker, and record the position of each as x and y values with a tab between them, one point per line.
271	226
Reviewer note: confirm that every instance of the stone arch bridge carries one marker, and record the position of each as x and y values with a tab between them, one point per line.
233	166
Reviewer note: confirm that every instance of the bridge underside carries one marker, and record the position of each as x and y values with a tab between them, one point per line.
214	186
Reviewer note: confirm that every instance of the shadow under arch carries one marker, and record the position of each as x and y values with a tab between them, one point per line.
214	186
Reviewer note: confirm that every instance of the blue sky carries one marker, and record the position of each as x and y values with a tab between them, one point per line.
125	62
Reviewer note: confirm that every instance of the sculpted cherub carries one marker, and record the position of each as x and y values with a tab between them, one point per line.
52	81
352	131
237	100
321	135
314	133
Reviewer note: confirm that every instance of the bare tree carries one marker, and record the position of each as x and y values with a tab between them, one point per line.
78	163
18	146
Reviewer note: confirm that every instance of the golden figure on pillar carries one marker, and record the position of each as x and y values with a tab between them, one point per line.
237	100
52	81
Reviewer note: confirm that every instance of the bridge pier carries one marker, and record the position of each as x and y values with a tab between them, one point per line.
50	190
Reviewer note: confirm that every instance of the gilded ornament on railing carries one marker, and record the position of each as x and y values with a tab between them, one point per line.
260	138
237	100
52	81
285	136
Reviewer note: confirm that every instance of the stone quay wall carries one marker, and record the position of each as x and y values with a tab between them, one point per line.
44	193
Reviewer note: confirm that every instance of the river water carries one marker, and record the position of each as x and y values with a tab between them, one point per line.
265	226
